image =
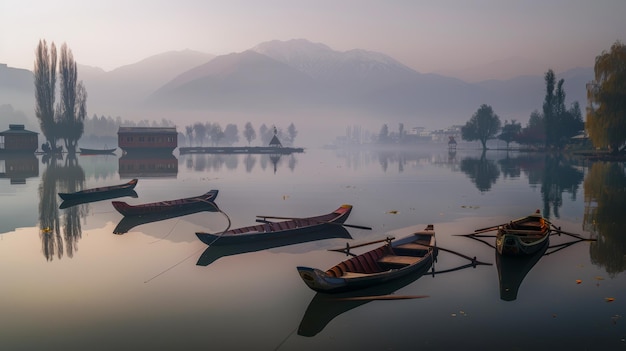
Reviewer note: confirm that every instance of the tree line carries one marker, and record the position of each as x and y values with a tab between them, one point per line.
555	125
196	134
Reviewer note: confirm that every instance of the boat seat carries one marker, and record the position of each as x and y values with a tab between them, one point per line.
394	260
412	246
366	263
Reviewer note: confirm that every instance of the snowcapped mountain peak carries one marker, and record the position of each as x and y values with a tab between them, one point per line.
323	63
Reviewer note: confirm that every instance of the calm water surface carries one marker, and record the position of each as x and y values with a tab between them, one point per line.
157	287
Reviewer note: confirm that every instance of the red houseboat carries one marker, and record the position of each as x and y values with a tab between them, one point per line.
18	139
147	139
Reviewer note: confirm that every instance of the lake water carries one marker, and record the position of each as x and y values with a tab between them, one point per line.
79	286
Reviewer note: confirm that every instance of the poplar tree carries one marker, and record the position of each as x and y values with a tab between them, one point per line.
45	89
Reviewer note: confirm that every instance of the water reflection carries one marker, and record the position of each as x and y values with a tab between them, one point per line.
144	165
66	177
605	201
513	269
18	167
217	162
482	172
559	176
323	308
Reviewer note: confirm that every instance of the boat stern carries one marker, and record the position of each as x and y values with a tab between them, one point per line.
318	280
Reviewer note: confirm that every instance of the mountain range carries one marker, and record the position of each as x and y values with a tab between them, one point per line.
298	81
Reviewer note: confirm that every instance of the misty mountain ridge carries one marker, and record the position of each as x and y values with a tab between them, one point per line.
296	78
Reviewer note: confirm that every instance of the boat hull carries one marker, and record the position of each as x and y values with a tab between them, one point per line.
84	151
515	245
165	207
101	191
523	236
277	230
353	274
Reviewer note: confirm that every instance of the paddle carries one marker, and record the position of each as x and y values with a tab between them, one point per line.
348	246
309	219
474	261
488	229
477	235
380	297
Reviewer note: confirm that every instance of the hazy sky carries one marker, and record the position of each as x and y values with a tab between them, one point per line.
444	36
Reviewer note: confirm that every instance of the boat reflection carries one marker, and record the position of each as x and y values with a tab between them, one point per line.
98	197
323	308
152	165
213	253
129	222
513	269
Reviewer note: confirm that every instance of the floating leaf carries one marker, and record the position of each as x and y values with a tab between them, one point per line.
599	278
392	212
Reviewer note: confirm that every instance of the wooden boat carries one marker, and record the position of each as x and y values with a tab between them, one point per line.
522	236
109	190
98	197
513	269
213	253
84	151
277	230
391	261
129	222
166	206
323	308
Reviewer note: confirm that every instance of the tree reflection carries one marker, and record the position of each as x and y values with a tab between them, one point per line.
208	162
73	180
249	162
559	176
51	242
530	164
482	172
605	202
56	178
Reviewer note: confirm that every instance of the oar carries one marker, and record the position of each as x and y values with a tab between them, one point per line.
380	297
313	220
348	246
476	235
488	229
458	254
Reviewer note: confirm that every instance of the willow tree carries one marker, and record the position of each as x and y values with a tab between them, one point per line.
45	87
606	95
72	108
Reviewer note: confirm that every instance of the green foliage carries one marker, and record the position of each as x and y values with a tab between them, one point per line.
383	135
535	132
45	87
231	134
249	133
510	132
604	188
65	120
291	133
606	110
483	125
